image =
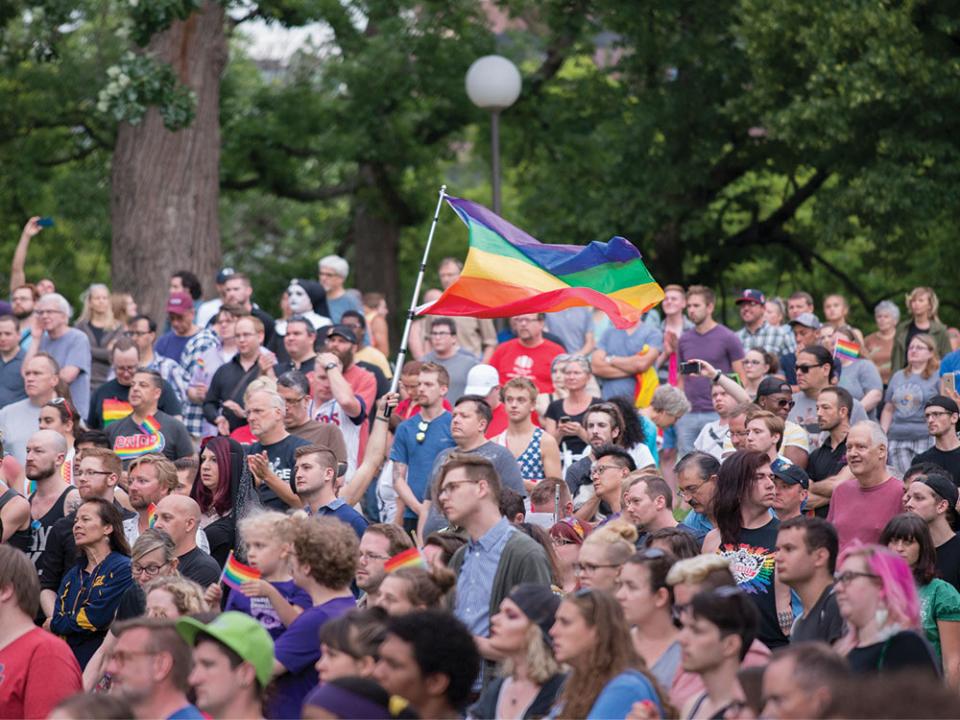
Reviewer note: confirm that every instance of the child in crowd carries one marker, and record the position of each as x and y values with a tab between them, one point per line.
273	600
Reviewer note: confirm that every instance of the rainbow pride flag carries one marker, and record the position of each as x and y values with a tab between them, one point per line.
847	349
114	409
406	559
508	272
151	515
148	440
235	573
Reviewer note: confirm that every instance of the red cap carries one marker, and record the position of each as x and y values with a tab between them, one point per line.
179	303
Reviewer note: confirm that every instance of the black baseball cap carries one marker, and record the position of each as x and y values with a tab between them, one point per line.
344	331
946	403
790	473
771	385
942	485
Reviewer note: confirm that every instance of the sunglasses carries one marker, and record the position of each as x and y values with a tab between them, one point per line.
807	368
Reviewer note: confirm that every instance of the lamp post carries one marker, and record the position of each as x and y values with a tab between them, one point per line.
493	83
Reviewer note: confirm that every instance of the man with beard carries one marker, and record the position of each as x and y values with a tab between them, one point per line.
342	342
418	441
22	300
53	498
828	463
111	400
529	354
148	429
776	396
273	458
815	367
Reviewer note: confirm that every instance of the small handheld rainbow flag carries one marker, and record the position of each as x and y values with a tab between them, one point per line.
235	573
151	515
847	349
406	559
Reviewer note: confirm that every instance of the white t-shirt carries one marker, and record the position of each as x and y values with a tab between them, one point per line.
331	412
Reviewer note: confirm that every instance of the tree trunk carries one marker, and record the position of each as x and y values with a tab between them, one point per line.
375	237
165	185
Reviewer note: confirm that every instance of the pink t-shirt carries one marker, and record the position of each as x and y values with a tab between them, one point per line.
37	671
861	513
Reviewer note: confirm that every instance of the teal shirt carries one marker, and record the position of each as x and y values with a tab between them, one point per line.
939	602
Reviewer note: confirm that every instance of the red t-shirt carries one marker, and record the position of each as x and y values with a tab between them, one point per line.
37	671
511	359
861	514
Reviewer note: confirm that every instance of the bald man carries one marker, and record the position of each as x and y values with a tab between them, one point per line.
53	498
179	517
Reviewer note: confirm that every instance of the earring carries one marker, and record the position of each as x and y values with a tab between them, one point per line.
881	616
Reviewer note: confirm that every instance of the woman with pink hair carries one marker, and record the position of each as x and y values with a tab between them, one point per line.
878	599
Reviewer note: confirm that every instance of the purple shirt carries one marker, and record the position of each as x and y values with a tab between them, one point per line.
262	610
721	348
298	649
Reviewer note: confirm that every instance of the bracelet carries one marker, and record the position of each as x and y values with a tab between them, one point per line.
381	417
716	378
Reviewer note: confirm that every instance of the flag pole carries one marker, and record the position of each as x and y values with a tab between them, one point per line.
411	313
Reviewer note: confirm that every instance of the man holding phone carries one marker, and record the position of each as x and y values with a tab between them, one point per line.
720	347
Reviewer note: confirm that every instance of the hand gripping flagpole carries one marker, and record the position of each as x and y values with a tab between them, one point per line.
411	313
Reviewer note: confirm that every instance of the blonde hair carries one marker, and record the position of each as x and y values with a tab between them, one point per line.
933	363
618	539
187	595
261	384
930	293
696	569
541	663
271	523
87	312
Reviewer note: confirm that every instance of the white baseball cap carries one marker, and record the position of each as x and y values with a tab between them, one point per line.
481	379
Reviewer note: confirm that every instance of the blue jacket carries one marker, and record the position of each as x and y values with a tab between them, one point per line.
87	602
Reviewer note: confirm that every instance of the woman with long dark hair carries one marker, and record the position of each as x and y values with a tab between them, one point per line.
908	535
219	488
746	534
607	677
90	591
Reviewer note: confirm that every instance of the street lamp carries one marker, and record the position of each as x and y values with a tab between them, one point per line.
493	83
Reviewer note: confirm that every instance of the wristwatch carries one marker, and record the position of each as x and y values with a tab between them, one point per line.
330	366
716	378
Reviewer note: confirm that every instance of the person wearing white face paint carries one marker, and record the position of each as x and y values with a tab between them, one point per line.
307	299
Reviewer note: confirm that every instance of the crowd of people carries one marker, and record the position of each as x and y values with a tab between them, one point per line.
221	514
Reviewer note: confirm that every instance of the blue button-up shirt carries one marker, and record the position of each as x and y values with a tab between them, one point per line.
475	582
339	509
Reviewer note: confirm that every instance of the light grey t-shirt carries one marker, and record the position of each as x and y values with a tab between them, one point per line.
859	378
503	462
804	414
457	366
18	421
571	326
73	348
909	393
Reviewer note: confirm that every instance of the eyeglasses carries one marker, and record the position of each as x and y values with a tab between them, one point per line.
690	490
804	369
48	312
294	401
90	473
439	333
936	414
125	368
148	570
848	576
373	556
136	333
598	469
591	568
452	485
120	657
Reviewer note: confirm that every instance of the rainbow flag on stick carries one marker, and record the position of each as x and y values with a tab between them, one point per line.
406	559
847	349
151	515
235	573
508	272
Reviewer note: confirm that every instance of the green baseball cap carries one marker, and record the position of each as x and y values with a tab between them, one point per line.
239	632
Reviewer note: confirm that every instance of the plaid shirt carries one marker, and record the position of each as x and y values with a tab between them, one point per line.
171	371
778	339
191	367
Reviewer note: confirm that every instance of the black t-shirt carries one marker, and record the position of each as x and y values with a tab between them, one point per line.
133	603
196	565
283	461
949	461
42	527
572	443
948	561
221	534
824	462
821	622
176	440
113	390
906	650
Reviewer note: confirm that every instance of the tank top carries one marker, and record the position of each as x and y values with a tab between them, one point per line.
41	527
752	565
531	459
21	539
